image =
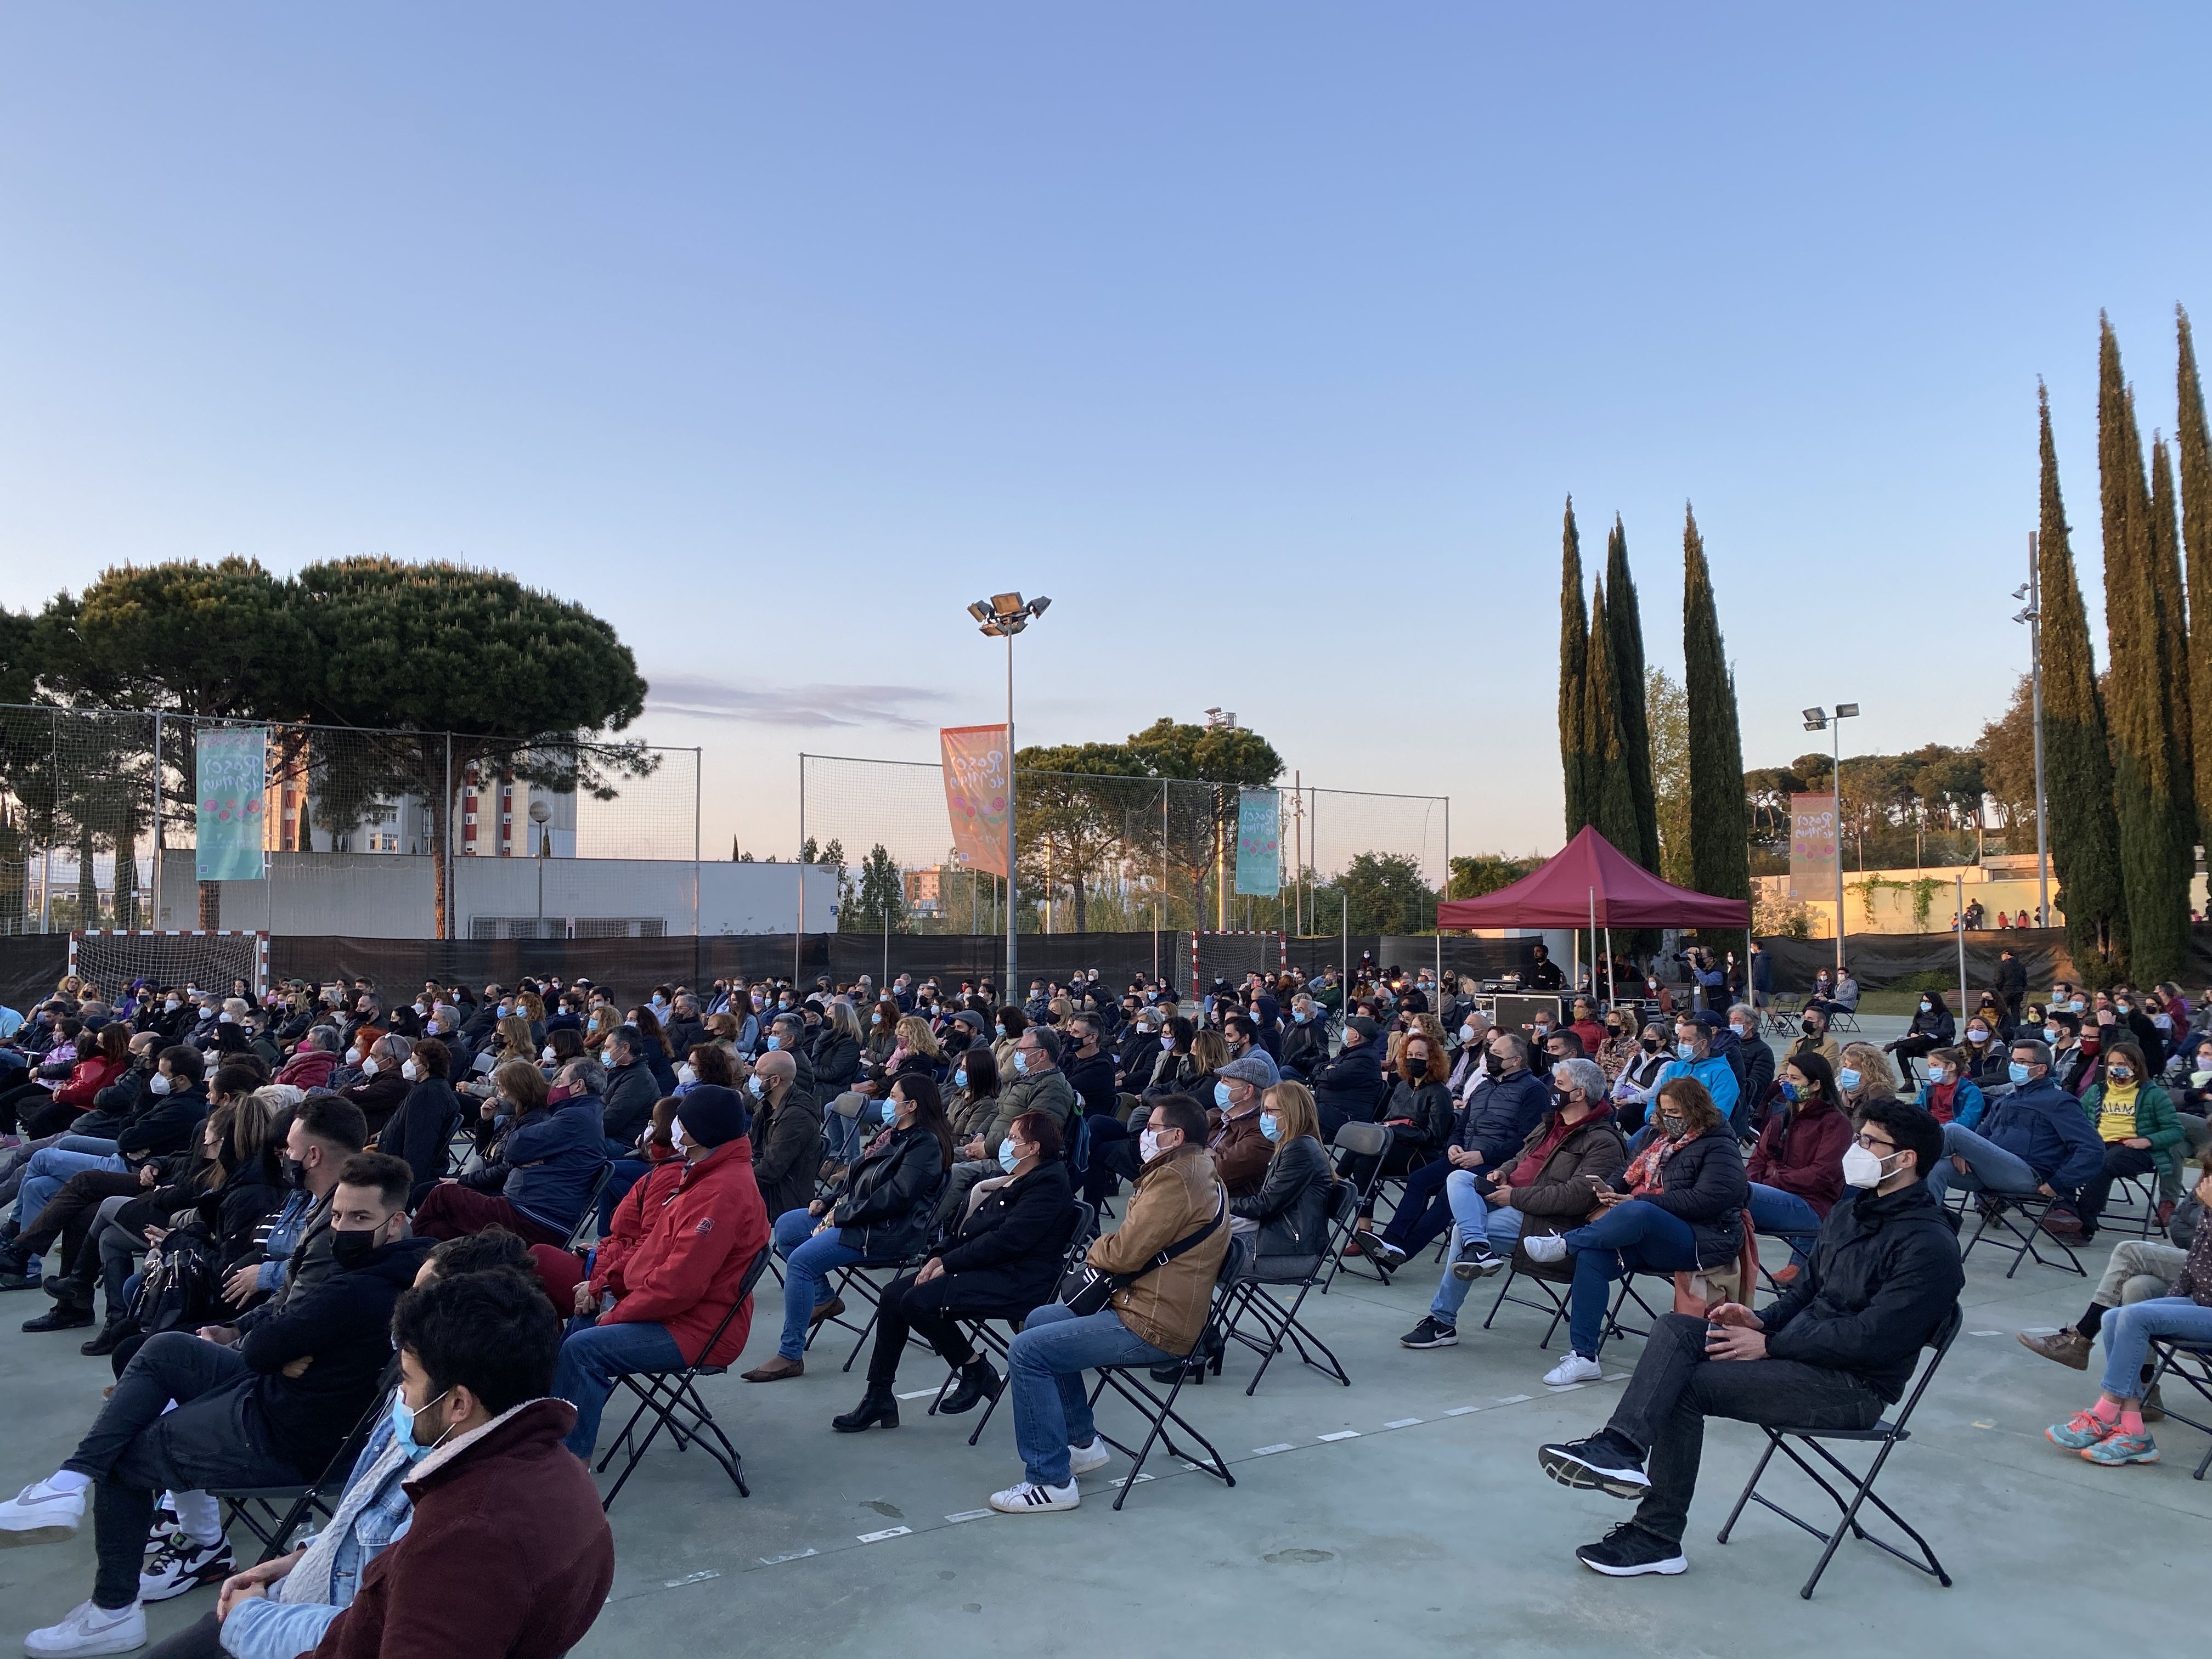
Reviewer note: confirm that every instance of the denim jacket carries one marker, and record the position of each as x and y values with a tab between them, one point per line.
283	1238
275	1627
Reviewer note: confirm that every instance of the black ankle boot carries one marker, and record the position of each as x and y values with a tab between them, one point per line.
878	1405
979	1379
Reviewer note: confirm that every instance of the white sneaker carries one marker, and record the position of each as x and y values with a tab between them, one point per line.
40	1514
1573	1369
1081	1460
90	1629
1546	1246
1023	1498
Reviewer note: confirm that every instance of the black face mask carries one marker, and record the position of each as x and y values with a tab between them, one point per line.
1809	1029
348	1249
295	1175
1650	1045
1416	1065
1493	1065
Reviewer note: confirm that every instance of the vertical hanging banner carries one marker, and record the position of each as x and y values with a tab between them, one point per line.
232	785
1813	845
978	790
1259	842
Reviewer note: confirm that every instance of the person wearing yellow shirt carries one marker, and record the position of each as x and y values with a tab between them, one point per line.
2135	1119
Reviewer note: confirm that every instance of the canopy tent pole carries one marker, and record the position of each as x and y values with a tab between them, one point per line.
1959	926
1612	995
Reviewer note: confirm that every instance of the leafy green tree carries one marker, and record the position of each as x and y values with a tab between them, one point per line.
1069	828
2077	757
1202	821
1474	874
1670	771
2148	788
1574	678
880	893
1612	807
1624	620
527	683
2195	449
1385	893
1719	858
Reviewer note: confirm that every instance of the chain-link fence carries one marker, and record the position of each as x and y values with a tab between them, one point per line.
394	833
1114	855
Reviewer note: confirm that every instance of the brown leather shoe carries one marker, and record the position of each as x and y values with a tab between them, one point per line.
2067	1347
828	1309
775	1369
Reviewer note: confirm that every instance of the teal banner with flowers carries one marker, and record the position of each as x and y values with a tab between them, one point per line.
1259	842
233	786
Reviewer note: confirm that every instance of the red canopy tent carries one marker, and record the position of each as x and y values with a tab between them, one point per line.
1592	883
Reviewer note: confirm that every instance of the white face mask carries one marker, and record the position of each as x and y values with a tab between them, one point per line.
1466	1034
546	1053
410	1070
368	1065
173	1005
687	1073
159	1084
1862	1168
226	1018
1148	1145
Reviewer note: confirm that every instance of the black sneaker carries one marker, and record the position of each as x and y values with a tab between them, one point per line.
1628	1552
1476	1261
1598	1463
181	1565
1430	1332
1384	1253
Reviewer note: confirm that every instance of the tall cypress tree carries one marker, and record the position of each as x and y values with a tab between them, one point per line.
2147	787
1613	807
1574	678
2077	758
1720	860
1624	627
2173	650
2196	456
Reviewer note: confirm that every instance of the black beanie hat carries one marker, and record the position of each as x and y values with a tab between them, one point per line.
712	1114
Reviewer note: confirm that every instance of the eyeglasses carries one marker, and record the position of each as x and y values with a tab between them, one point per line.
1873	1145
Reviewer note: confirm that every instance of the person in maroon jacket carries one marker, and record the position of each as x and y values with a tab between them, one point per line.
1796	1170
508	1555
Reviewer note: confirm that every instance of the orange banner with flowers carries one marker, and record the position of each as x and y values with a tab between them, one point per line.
979	790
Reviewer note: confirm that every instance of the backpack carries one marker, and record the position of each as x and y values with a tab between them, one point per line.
183	1286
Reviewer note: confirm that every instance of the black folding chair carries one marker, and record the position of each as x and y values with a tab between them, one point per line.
1252	1295
273	1514
2190	1363
672	1398
1370	1140
1887	1435
587	1224
982	1335
2018	1217
1554	1286
1135	1385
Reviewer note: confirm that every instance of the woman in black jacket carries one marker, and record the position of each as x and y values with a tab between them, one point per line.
652	1048
881	1212
836	1052
1005	1264
1289	1215
421	1132
1932	1028
1418	1114
1679	1206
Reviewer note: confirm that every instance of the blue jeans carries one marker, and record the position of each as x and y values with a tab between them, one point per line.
2127	1331
1423	1211
1787	1217
1989	1168
51	1167
592	1356
1472	1218
1636	1236
1052	1408
810	1258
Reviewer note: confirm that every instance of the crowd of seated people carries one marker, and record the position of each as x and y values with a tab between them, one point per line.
238	1192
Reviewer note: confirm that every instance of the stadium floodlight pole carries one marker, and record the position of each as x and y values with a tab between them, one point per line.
2031	590
1005	615
157	818
1817	720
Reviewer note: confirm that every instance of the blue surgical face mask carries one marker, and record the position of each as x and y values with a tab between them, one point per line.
1271	1126
1847	1079
403	1426
960	1078
2017	1072
1686	1052
774	1040
1789	1091
753	1083
1006	1159
1022	1061
1221	1095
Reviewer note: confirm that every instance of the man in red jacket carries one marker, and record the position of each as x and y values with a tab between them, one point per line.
671	1289
508	1555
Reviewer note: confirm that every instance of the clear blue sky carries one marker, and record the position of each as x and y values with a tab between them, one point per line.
1265	338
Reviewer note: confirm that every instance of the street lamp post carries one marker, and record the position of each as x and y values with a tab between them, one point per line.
541	815
1005	615
1817	720
2032	616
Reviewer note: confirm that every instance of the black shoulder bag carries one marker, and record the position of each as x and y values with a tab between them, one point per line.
1089	1289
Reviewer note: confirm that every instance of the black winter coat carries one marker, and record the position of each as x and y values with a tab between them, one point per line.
1937	1022
1291	1205
1704	1183
1501	1116
836	1063
1092	1079
163	1123
1884	1276
1013	1244
888	1198
1427	1107
1305	1046
1352	1084
234	1211
421	1132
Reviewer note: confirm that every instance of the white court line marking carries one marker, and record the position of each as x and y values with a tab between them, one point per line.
1404	1422
1461	1411
1561	1387
1141	1478
1269	1451
1341	1434
689	1578
887	1532
1513	1399
967	1514
1985	1332
795	1555
920	1393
